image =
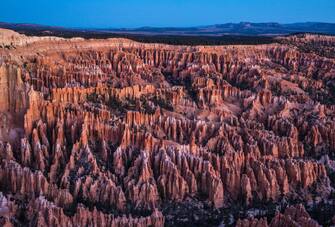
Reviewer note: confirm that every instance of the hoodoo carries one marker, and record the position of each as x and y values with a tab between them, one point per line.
119	133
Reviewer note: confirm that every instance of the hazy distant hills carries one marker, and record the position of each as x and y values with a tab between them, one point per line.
243	28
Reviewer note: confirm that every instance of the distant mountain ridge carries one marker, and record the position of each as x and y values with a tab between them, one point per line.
243	28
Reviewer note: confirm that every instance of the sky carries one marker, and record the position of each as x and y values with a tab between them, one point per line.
175	13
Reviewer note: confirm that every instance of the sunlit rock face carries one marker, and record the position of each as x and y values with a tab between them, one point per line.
119	133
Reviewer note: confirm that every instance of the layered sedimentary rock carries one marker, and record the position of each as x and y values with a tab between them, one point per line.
112	132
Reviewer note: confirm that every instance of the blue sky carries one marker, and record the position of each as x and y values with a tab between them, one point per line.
178	13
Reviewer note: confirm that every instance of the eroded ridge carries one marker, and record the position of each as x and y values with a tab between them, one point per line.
114	132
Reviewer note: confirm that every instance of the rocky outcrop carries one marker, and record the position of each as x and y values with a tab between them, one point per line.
45	213
293	216
252	222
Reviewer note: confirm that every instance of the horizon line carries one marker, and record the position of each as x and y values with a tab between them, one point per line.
149	26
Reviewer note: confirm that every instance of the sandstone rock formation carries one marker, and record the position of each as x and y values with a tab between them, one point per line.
112	132
293	216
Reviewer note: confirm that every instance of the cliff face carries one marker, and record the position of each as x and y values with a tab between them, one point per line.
111	132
